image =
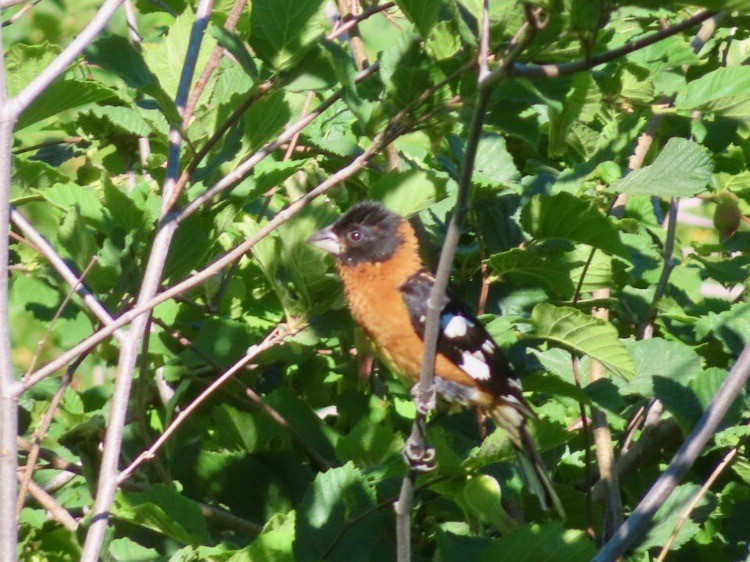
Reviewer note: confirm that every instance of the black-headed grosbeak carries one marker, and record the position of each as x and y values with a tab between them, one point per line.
387	287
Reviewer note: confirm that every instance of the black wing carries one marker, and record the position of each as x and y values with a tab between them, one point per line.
463	340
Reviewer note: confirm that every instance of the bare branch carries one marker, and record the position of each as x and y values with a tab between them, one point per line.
276	337
58	512
9	387
640	520
73	280
150	285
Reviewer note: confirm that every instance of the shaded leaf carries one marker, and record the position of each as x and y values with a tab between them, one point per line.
565	216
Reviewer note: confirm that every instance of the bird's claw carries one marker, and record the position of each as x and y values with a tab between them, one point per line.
418	456
425	401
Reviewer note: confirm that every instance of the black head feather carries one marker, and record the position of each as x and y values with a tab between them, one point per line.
368	232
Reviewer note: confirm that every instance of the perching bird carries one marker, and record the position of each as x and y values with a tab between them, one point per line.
387	287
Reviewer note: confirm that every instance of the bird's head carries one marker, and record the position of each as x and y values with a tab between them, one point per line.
368	232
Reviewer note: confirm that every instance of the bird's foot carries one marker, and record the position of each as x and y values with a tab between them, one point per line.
418	455
425	401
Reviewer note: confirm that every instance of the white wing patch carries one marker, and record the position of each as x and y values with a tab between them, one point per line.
489	346
477	368
455	326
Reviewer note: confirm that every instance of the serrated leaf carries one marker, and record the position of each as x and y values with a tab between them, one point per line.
494	165
234	45
662	178
582	333
567	217
722	91
117	55
410	191
274	544
283	32
529	266
550	542
126	118
333	522
658	357
405	70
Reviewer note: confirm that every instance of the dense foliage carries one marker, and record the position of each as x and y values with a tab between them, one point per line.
610	305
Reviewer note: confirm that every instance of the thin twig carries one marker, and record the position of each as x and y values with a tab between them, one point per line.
253	396
20	13
276	337
214	268
9	387
416	450
43	428
354	21
247	165
212	64
56	317
640	520
53	507
685	515
554	70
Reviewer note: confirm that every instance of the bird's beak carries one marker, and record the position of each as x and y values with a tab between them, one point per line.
326	240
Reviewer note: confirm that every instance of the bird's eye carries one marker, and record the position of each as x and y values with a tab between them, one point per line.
354	236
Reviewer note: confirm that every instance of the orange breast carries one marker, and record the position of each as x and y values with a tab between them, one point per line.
376	303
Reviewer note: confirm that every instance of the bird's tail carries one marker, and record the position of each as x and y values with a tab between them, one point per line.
513	421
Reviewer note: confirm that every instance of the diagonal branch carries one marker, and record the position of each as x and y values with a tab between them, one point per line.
46	249
639	522
274	338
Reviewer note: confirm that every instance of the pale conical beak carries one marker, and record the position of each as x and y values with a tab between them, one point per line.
326	240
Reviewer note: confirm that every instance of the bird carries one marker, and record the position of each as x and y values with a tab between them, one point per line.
377	257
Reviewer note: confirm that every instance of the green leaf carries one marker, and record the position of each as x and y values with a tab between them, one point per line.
336	519
669	514
234	45
265	118
494	165
424	13
536	268
162	509
117	55
126	118
63	95
567	217
658	357
582	333
722	91
550	542
125	550
662	179
25	62
283	32
405	70
274	544
731	327
410	191
167	58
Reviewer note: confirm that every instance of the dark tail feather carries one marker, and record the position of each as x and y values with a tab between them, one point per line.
534	471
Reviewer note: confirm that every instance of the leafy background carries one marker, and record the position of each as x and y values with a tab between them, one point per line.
298	457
